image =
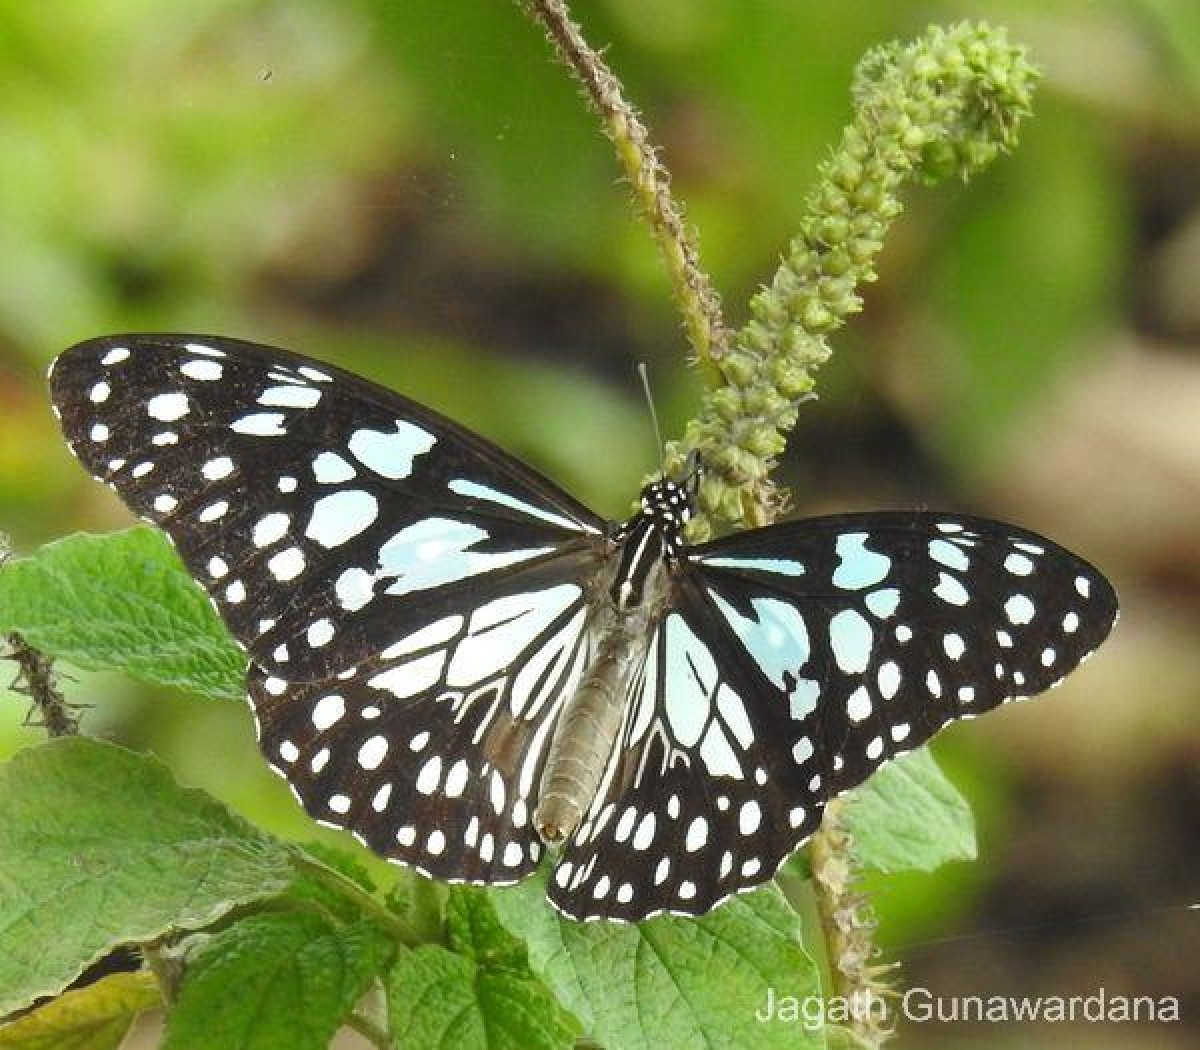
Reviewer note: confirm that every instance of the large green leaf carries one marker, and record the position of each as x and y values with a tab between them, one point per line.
671	982
478	994
121	602
95	1017
909	816
279	980
99	846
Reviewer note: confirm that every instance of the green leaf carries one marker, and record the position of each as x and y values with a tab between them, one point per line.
480	996
909	816
122	602
672	982
99	846
279	980
95	1017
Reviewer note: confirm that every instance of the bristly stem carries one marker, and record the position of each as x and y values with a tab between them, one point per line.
648	179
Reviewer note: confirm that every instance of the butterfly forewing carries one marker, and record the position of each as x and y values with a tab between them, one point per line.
321	512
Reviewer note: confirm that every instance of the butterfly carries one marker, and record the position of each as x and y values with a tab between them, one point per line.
457	661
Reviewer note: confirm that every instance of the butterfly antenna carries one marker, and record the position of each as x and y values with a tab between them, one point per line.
644	373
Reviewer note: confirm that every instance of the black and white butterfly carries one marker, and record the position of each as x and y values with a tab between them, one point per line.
460	663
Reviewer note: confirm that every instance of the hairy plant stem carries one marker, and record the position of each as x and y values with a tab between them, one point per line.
649	181
946	104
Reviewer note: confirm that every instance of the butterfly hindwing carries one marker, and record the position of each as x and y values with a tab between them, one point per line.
431	751
701	797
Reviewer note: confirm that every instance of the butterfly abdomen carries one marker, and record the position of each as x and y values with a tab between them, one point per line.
590	723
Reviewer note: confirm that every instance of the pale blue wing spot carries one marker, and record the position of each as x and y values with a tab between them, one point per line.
340	516
391	455
691	679
777	641
858	567
949	554
435	551
851	639
883	603
780	566
476	490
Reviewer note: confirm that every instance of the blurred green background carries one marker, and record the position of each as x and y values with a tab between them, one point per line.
413	189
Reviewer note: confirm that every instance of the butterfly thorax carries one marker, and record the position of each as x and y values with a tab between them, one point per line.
590	722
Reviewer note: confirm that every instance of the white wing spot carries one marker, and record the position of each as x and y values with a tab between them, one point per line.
275	686
903	633
1070	623
1019	609
320	633
1083	586
320	760
340	516
168	407
289	397
99	393
354	589
1004	639
165	437
287	564
217	567
966	694
900	731
430	775
373	752
875	748
645	833
235	593
954	645
888	679
456	779
858	706
406	835
662	870
933	683
288	751
339	803
98	433
950	590
382	797
436	842
216	469
1048	656
803	750
260	424
330	469
328	711
749	817
687	890
165	503
286	484
697	834
949	554
270	529
1018	564
418	742
115	356
203	371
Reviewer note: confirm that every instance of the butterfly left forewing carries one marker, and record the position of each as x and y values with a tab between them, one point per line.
321	512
